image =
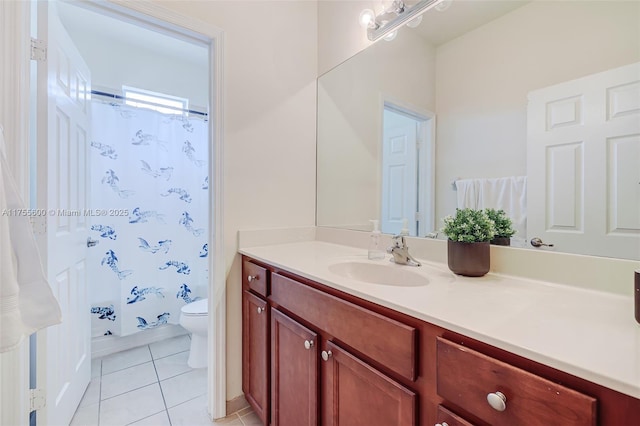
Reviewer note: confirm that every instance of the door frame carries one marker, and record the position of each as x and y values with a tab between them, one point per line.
15	51
426	157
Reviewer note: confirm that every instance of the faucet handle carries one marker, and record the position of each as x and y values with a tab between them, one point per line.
398	241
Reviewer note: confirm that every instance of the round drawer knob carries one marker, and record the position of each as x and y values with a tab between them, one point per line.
497	401
442	424
308	344
326	355
260	309
252	278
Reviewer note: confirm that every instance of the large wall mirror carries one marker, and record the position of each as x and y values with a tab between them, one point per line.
491	91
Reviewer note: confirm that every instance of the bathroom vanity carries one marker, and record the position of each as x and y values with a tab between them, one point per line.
323	346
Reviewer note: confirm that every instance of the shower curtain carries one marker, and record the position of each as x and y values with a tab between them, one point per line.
149	212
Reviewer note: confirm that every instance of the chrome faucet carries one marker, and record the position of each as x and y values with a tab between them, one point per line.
400	252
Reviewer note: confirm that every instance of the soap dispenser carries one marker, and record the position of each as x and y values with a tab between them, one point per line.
375	243
405	230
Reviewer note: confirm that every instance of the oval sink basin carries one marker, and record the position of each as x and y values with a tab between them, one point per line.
379	273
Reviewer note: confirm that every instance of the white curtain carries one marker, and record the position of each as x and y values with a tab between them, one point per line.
149	199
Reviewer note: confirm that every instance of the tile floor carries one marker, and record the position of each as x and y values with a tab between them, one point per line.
150	385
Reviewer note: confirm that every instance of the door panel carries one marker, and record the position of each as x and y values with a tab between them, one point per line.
64	365
255	351
294	369
356	394
583	164
399	173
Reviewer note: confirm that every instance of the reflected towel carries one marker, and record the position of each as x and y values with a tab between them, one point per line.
508	194
467	193
26	301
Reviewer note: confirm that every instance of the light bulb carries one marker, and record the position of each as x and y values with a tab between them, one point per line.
367	18
415	22
391	35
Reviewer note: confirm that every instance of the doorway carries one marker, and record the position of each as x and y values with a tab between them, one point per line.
64	183
407	171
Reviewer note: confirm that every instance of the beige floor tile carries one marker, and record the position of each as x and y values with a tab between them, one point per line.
172	365
184	387
125	359
86	416
131	406
126	380
170	346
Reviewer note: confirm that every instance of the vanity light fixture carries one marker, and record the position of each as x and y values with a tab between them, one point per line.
443	5
368	19
415	21
388	21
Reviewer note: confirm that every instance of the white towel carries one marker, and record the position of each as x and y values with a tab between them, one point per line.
467	193
508	194
26	301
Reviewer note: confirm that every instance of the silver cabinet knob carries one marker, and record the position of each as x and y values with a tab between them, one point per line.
252	277
326	355
537	242
497	401
442	424
308	344
260	309
91	243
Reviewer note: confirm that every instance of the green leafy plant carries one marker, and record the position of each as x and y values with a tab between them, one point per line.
503	224
469	226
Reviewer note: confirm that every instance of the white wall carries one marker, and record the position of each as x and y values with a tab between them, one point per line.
483	78
270	55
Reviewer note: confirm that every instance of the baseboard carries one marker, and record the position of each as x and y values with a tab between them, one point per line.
107	345
236	404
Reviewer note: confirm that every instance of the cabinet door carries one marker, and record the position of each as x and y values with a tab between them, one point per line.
294	369
354	393
255	354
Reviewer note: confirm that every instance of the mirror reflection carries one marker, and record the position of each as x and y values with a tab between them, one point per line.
533	107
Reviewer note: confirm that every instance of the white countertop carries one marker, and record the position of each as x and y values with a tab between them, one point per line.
587	333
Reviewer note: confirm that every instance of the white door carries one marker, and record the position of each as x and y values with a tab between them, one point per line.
583	164
399	173
64	352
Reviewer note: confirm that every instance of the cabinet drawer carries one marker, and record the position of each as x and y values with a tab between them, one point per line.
446	417
254	277
384	340
466	377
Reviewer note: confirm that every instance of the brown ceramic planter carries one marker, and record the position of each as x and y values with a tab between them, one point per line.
468	259
501	241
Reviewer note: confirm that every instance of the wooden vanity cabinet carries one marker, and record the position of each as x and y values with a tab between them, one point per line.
256	339
332	359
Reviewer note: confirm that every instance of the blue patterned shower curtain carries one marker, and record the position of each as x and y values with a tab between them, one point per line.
149	211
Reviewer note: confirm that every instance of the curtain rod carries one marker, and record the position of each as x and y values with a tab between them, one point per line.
120	97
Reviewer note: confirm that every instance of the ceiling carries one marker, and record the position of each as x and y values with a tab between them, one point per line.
461	17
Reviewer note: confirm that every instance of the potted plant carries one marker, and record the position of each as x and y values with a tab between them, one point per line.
504	227
469	232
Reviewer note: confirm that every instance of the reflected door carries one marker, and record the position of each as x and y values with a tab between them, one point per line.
399	173
583	164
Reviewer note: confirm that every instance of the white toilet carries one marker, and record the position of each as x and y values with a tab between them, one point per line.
194	317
